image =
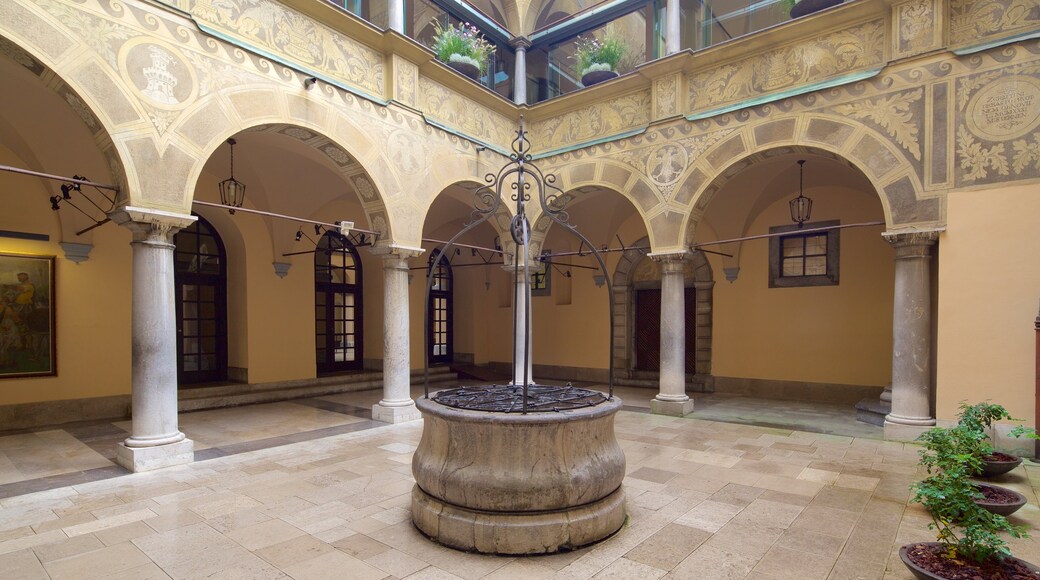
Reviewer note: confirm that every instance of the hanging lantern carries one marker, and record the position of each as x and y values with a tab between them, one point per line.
801	206
232	191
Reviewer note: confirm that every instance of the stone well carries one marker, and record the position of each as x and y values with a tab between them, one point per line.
512	483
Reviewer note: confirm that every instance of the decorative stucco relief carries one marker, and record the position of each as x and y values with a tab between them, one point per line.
898	115
593	122
916	28
998	117
855	49
666	97
102	35
668	156
276	29
975	22
453	110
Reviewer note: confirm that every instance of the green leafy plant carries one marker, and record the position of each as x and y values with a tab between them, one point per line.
785	6
461	43
967	530
979	418
594	54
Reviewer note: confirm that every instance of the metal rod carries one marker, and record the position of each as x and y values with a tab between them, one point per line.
56	177
778	234
467	246
281	216
96	225
562	265
453	266
589	253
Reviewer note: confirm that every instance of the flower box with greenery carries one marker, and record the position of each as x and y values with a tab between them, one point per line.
799	8
969	542
598	59
462	48
979	418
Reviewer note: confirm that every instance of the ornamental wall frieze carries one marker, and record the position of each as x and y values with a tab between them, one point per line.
275	29
448	107
593	122
997	119
976	22
855	49
917	27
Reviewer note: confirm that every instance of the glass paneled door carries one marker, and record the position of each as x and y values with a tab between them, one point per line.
200	278
337	305
440	329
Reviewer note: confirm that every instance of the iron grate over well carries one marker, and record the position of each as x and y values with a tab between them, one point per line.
510	398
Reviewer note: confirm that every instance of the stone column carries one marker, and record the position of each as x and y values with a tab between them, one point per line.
672	29
911	335
397	405
522	316
395	15
520	45
155	440
672	398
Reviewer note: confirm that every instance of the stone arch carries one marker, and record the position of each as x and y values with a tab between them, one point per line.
333	154
97	125
627	279
882	162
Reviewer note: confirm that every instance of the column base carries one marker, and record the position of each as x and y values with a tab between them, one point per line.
673	408
138	459
903	432
396	414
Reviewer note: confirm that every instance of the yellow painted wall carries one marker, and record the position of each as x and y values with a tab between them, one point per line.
989	291
92	299
829	334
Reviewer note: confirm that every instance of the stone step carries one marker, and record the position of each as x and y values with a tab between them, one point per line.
234	395
872	410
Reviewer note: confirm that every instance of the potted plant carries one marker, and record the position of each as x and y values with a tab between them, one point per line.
462	48
969	543
979	418
598	59
799	8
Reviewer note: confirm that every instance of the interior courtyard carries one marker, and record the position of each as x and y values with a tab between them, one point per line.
224	279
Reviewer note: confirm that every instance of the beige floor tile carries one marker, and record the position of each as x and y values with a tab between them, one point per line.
199	550
97	563
265	534
432	573
624	569
68	548
32	541
333	565
148	571
361	546
709	515
124	533
709	563
23	565
669	546
811	542
794	565
294	551
396	563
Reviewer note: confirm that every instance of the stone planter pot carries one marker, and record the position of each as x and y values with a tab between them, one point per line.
1001	509
508	483
922	574
597	76
997	467
806	7
465	69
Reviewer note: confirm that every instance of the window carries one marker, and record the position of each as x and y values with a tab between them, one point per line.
200	276
440	327
803	258
337	305
540	280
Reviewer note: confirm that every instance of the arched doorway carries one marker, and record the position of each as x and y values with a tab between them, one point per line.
440	328
200	276
337	305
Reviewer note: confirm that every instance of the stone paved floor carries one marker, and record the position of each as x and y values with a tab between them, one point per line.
706	499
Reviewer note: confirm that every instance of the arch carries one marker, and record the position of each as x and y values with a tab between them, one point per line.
698	276
95	125
856	145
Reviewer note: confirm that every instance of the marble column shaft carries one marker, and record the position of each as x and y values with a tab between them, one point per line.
397	404
155	440
520	45
672	398
672	28
912	330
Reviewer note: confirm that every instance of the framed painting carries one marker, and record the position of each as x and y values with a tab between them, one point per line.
27	343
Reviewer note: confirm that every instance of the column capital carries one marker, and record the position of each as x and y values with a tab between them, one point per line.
151	224
520	43
671	262
913	237
389	251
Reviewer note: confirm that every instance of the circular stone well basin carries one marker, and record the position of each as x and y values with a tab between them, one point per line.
512	483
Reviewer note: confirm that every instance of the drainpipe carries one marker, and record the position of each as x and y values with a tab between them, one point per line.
1036	406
